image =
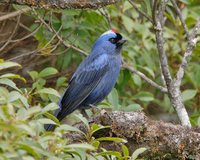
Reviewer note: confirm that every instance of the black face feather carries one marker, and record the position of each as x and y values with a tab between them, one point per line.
115	39
119	36
118	41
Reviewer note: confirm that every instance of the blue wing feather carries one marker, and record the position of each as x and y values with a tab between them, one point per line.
82	84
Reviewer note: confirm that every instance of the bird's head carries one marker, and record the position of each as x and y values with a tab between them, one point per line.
110	41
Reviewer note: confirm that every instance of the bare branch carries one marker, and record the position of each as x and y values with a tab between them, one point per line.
181	19
144	77
14	14
140	12
12	34
106	15
158	18
190	47
70	4
27	36
59	37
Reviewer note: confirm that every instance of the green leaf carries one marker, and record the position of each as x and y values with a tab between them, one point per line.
48	91
133	107
128	23
45	121
125	151
60	81
185	1
106	153
14	95
150	71
113	139
113	98
83	119
137	80
144	96
81	146
50	107
66	127
8	64
95	144
27	129
137	152
31	111
11	75
96	127
52	117
47	72
188	94
9	83
198	122
34	75
30	150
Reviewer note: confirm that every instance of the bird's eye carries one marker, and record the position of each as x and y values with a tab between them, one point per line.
112	40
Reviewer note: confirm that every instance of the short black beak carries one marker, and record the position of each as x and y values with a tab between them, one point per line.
121	41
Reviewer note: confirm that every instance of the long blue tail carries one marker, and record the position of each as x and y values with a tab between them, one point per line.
49	127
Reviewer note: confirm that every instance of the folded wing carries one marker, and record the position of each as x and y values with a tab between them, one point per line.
84	81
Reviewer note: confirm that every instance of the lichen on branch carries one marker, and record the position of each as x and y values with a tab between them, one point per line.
161	139
70	4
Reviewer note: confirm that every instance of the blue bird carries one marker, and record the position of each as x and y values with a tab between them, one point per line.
94	78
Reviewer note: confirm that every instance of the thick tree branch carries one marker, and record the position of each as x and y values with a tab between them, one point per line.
173	91
70	4
159	138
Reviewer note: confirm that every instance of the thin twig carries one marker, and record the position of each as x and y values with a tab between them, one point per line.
190	47
31	52
181	19
141	12
58	36
11	36
27	36
106	15
53	37
144	77
14	14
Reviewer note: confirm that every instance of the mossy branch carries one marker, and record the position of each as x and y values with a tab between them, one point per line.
70	4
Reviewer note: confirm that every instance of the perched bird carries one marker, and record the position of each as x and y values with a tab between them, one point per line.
94	78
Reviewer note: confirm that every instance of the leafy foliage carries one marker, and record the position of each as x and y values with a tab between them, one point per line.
23	114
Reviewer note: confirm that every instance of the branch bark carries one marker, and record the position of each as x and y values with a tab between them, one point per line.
70	4
161	139
145	78
192	40
14	14
173	91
